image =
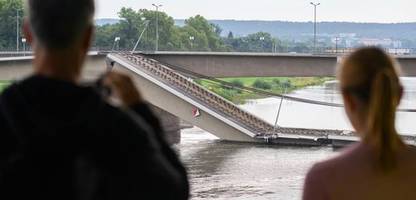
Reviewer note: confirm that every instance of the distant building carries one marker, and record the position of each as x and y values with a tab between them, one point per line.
348	35
397	44
399	51
387	43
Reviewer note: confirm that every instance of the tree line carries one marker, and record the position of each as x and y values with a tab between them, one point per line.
197	33
11	14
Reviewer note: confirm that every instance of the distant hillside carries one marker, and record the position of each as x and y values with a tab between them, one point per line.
104	21
298	30
294	30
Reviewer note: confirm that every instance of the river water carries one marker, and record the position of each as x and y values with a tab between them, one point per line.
225	170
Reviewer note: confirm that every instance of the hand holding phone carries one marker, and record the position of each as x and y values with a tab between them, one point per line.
122	87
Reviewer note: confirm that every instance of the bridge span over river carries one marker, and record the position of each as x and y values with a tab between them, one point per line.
177	94
229	64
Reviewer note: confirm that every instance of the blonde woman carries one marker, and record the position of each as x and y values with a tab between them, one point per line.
381	166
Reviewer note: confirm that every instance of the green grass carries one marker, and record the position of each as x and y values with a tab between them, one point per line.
277	85
3	85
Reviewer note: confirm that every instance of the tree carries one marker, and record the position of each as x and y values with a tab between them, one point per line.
230	35
194	40
132	23
198	34
129	27
204	32
105	35
257	42
8	15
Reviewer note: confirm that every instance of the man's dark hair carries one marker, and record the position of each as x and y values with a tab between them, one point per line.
56	24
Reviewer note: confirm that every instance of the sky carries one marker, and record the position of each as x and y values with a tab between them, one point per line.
382	11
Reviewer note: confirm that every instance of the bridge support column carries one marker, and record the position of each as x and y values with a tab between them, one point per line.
171	124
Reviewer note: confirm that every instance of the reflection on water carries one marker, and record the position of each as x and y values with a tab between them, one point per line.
223	170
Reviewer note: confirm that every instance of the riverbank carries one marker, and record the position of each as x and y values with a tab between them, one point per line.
279	85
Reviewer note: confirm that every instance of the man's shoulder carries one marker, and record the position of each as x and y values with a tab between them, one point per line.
108	112
8	96
124	120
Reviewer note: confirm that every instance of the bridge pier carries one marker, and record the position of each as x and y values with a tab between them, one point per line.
171	124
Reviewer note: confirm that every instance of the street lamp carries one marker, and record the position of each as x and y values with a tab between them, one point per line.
192	38
314	26
337	39
274	46
24	46
262	45
116	41
17	29
157	25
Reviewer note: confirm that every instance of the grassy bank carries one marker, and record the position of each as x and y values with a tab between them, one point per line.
3	84
271	84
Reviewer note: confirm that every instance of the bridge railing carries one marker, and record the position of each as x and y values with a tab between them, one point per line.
187	86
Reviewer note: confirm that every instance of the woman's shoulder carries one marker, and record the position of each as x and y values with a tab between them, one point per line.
322	177
345	160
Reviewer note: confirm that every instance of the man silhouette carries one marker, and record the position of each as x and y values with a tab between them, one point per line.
61	140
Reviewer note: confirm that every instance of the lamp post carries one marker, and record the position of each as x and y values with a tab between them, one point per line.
337	39
116	41
17	30
24	46
274	46
314	25
192	38
262	45
157	25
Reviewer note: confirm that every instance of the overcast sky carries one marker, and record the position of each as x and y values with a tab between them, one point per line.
287	10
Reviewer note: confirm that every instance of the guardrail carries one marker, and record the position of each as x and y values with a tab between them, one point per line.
188	87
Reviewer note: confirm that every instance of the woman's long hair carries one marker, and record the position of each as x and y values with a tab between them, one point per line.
373	77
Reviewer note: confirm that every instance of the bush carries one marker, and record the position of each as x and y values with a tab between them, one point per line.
227	94
237	83
276	81
287	84
261	84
